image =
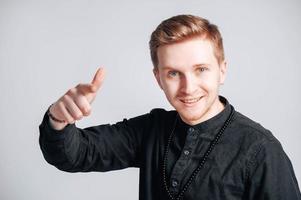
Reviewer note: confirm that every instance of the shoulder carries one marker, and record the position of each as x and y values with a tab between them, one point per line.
251	130
252	137
258	142
154	117
160	113
163	119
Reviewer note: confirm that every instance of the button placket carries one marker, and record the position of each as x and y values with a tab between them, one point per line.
192	133
183	162
190	142
190	130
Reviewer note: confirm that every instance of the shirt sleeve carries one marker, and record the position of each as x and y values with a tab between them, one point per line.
97	148
271	175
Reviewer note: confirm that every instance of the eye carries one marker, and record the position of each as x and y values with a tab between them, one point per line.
173	73
202	69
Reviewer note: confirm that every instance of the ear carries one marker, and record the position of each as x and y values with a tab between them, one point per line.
223	72
157	76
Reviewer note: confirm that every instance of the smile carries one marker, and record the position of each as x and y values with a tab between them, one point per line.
190	101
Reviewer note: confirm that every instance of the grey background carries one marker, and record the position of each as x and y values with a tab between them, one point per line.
47	47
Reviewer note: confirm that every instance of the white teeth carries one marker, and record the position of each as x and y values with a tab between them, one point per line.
190	100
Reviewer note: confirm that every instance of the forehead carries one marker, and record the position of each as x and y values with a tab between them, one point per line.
186	53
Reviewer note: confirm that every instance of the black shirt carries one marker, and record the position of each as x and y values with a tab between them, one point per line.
246	162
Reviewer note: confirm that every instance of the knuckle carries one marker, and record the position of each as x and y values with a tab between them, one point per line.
71	91
65	99
79	85
68	92
93	88
84	112
70	120
79	116
60	105
87	111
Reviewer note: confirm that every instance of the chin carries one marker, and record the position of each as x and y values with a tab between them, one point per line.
193	113
192	117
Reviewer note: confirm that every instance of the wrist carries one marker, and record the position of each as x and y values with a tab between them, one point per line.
55	123
51	116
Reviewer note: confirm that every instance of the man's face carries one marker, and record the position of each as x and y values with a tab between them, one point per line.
190	75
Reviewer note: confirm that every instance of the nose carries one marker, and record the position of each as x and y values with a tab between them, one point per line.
188	84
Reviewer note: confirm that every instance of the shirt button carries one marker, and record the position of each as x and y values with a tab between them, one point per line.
174	183
190	130
186	152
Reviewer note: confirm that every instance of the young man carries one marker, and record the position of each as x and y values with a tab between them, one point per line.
202	150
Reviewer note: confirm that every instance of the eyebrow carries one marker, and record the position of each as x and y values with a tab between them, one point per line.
167	67
201	64
194	66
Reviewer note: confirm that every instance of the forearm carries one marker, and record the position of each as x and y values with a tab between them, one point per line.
53	144
99	148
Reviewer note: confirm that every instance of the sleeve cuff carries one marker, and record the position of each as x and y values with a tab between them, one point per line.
48	131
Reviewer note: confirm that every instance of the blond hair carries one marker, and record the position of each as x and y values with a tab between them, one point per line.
182	27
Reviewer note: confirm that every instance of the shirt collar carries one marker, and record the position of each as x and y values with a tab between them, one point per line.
213	123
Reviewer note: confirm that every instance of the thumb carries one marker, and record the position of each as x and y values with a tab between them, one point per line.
98	79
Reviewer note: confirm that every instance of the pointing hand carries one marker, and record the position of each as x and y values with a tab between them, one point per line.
76	102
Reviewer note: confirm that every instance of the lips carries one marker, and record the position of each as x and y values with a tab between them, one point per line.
190	101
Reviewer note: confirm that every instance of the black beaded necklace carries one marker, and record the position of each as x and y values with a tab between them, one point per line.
202	161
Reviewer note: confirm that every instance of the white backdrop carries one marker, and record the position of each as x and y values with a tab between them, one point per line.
47	47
